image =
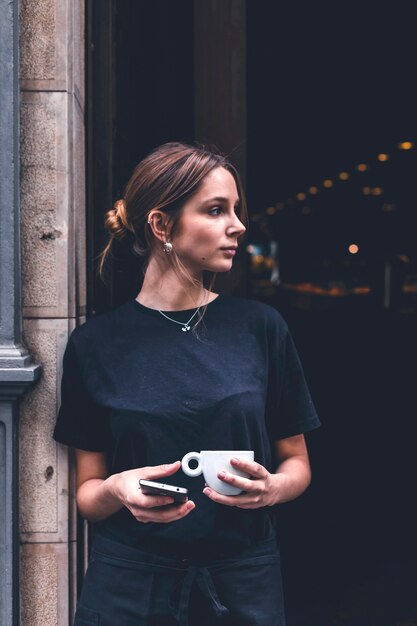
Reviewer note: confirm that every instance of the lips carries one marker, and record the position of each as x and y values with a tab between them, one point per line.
229	252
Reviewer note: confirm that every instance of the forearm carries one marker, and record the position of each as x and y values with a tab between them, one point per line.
99	497
96	499
293	476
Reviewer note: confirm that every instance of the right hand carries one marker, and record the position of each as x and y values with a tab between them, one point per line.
147	508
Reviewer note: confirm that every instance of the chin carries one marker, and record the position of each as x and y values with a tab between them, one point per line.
219	268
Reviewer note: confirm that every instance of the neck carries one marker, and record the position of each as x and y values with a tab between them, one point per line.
162	289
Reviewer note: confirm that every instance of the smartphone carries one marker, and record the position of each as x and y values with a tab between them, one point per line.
152	488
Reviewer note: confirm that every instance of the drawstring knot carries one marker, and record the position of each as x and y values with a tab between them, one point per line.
204	581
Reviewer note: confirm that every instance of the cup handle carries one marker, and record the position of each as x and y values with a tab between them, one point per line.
191	456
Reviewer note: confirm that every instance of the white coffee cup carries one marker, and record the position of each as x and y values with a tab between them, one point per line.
211	462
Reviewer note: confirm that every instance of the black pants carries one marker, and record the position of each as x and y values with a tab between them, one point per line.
125	586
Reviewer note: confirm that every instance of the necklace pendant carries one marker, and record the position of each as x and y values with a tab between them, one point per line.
185	328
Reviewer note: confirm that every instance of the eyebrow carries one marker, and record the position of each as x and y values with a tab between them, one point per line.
220	199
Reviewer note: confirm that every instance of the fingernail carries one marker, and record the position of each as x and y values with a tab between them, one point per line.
221	474
207	491
234	460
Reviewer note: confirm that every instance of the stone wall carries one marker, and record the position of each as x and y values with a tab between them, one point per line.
53	291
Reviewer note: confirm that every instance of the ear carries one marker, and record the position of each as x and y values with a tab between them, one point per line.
158	222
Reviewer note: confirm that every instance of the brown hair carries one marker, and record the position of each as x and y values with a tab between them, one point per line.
164	180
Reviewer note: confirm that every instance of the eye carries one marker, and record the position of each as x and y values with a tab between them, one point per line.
216	210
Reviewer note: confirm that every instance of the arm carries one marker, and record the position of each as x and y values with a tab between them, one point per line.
95	497
290	479
100	495
293	472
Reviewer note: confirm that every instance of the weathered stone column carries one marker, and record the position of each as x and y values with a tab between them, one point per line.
53	293
17	372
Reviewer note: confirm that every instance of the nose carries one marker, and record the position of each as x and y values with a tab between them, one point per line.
236	228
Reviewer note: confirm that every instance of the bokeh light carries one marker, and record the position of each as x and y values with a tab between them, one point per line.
406	145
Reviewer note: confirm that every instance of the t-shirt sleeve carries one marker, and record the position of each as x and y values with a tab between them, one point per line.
82	422
290	410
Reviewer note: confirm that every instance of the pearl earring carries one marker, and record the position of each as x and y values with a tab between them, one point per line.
167	247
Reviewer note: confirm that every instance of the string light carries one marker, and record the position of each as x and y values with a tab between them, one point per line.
362	167
344	175
406	145
353	248
377	191
328	183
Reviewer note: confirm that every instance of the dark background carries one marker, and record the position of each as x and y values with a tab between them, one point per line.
331	86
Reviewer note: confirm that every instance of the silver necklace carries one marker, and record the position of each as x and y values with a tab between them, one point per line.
185	325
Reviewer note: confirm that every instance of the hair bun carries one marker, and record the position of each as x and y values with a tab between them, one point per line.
116	221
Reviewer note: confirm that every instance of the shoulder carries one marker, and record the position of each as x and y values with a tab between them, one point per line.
100	328
256	311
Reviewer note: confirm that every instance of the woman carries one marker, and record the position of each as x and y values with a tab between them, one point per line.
181	368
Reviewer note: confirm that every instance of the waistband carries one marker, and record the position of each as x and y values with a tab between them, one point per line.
101	543
186	571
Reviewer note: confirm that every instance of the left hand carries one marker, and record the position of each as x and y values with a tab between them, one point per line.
261	490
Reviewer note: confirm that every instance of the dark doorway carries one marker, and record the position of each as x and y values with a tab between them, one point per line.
141	94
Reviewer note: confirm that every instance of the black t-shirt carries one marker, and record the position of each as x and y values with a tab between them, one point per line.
138	388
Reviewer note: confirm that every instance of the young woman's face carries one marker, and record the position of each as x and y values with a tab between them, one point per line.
209	227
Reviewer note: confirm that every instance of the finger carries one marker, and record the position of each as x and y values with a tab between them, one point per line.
243	501
251	467
243	483
157	471
248	505
150	502
178	513
173	513
220	498
138	500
